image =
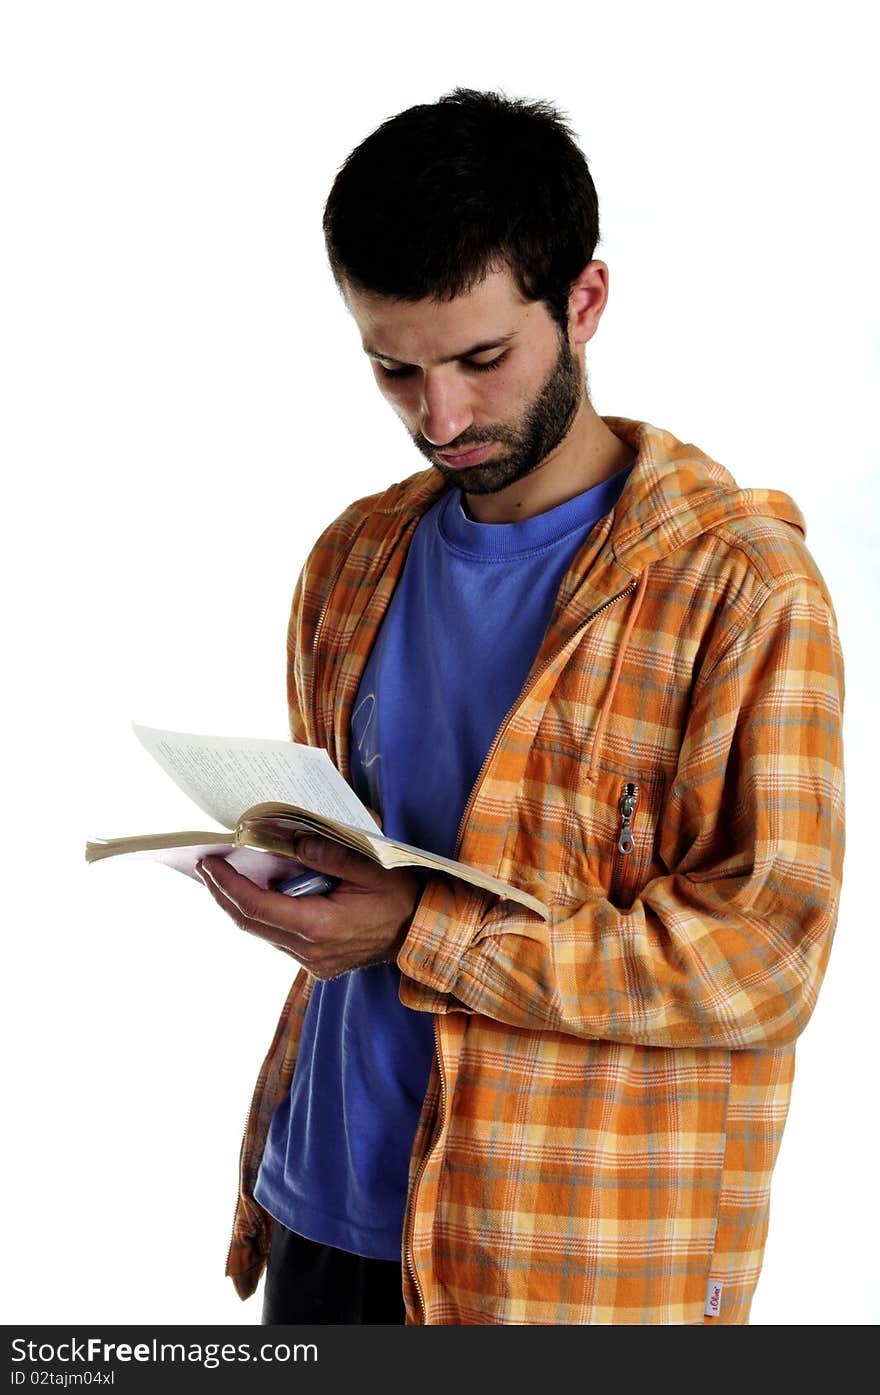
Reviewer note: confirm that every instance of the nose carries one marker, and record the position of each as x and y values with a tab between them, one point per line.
445	411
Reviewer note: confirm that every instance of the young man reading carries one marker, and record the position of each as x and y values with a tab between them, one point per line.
573	652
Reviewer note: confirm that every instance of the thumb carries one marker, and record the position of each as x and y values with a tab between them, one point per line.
325	855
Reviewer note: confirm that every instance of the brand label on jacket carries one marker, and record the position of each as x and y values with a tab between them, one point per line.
713	1299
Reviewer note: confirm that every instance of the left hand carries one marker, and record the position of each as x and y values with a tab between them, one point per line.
362	921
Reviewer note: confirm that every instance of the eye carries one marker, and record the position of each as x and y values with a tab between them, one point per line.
405	370
486	367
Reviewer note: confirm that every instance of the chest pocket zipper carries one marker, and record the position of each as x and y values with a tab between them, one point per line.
629	798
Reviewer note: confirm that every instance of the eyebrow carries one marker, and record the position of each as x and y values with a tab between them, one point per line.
481	348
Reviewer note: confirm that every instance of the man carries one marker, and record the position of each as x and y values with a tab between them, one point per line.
573	653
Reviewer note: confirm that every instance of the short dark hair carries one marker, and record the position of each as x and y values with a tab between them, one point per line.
441	194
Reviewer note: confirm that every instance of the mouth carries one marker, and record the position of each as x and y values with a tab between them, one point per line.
459	459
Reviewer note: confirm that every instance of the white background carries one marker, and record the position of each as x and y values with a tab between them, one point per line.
185	406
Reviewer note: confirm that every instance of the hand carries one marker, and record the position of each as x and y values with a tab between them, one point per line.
363	921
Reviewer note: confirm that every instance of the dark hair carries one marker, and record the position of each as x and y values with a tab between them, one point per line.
441	194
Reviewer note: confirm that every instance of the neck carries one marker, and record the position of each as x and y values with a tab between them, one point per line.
588	454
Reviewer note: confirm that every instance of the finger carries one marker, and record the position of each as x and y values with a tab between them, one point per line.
265	913
223	899
319	956
288	942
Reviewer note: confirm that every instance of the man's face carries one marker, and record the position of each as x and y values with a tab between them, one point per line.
486	384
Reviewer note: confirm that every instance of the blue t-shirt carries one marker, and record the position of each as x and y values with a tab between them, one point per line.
460	635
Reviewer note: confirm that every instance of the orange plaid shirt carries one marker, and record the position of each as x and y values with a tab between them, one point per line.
610	1086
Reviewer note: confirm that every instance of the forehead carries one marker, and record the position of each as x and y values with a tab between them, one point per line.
424	330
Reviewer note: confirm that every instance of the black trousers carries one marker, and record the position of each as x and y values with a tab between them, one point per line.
311	1283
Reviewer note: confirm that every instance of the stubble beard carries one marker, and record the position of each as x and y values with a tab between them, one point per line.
547	421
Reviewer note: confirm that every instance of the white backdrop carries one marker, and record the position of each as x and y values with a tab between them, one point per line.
186	406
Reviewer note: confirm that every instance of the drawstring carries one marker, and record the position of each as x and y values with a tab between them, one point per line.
593	771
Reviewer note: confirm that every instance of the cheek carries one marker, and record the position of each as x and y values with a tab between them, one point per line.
505	395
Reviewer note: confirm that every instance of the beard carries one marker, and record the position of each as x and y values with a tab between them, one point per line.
543	426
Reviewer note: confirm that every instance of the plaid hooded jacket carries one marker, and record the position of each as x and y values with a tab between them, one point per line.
610	1086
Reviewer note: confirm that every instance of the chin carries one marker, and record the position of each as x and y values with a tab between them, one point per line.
487	479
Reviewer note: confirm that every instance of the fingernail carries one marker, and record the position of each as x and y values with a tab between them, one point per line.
307	849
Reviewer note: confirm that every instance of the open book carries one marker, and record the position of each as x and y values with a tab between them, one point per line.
229	778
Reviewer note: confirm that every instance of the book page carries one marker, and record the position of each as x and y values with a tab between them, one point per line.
224	775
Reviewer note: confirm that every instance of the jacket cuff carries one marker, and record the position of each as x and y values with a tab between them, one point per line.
446	922
442	950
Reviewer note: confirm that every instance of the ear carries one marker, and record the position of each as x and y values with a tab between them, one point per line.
586	301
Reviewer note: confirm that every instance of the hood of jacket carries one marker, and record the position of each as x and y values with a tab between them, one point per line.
677	492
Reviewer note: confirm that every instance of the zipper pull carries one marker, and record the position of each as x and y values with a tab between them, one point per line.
629	798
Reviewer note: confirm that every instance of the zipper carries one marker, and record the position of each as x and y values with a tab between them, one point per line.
410	1201
247	1124
529	685
252	1110
626	806
410	1204
629	798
